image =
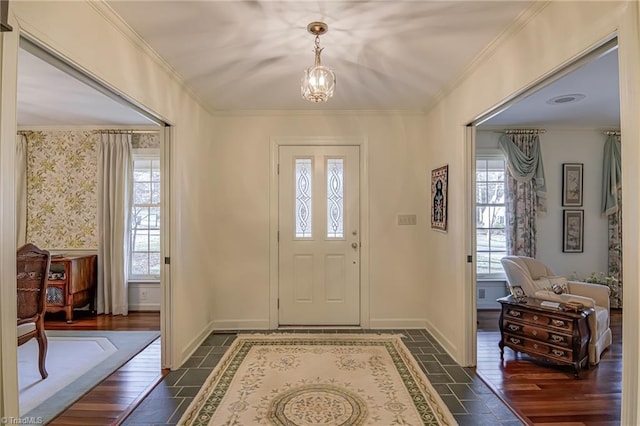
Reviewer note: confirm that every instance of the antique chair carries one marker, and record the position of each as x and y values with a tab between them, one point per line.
32	273
538	281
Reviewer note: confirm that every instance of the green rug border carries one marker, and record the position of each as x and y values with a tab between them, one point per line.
417	384
129	344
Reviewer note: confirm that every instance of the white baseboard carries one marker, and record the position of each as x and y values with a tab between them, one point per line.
241	324
446	344
397	323
193	345
144	307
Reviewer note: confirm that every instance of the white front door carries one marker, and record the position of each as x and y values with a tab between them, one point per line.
319	235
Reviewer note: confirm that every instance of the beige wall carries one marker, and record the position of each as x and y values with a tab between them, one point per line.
238	230
560	32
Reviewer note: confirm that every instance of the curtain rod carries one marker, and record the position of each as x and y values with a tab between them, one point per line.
521	131
612	133
125	131
524	131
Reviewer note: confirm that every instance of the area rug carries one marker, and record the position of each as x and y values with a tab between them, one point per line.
76	362
317	379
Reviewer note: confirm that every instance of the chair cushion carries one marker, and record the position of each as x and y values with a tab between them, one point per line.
26	328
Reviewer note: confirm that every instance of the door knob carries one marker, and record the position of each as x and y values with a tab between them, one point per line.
354	245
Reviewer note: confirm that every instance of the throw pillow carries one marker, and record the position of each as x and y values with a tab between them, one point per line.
558	284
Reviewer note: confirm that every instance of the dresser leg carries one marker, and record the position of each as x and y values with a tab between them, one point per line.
69	314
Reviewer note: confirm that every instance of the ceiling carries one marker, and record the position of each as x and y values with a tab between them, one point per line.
249	55
48	96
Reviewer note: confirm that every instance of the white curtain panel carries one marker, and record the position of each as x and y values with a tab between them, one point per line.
21	190
115	176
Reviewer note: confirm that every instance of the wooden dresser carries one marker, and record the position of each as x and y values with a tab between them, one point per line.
72	283
557	336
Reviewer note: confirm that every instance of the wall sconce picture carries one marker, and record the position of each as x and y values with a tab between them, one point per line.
439	184
572	184
573	231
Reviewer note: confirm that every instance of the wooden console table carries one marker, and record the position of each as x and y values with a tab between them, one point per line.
558	336
72	283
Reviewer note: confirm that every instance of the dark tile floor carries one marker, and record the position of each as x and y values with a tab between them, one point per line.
468	398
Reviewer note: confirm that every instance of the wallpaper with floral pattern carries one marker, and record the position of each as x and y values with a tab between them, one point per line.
62	187
145	140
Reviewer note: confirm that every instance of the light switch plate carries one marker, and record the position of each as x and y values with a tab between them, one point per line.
407	219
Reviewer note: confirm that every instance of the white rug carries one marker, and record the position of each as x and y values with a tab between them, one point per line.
76	361
317	379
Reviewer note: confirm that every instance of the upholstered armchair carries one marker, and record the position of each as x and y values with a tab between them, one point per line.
32	274
538	281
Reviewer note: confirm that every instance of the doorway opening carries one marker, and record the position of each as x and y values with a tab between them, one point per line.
573	113
63	117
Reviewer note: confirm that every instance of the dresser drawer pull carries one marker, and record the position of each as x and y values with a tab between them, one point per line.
535	346
535	318
557	338
558	352
515	341
558	323
534	332
515	313
514	327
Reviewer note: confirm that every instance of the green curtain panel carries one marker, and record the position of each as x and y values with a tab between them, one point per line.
526	191
612	207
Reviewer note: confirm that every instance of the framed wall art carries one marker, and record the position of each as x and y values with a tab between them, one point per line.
573	231
439	185
572	184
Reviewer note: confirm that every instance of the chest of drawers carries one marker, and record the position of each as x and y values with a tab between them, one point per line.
553	335
71	284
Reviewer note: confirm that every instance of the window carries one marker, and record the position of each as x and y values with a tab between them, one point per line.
145	221
491	239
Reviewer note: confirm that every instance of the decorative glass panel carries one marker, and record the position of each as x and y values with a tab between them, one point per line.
335	198
303	183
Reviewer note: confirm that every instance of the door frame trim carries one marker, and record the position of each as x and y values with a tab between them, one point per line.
275	144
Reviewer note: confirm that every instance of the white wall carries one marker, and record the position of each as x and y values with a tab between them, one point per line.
239	231
144	296
554	35
568	146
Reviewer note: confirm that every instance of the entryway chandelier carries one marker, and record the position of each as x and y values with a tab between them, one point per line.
318	82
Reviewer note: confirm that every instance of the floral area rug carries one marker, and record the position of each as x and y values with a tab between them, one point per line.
317	379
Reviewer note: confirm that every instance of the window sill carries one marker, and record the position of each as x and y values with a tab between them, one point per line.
144	281
496	278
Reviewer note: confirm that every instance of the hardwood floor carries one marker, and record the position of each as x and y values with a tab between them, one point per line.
112	400
543	394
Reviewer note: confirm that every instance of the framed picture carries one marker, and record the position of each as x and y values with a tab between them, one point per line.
439	185
572	184
573	231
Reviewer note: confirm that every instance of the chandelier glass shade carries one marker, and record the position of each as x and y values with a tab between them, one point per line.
318	81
